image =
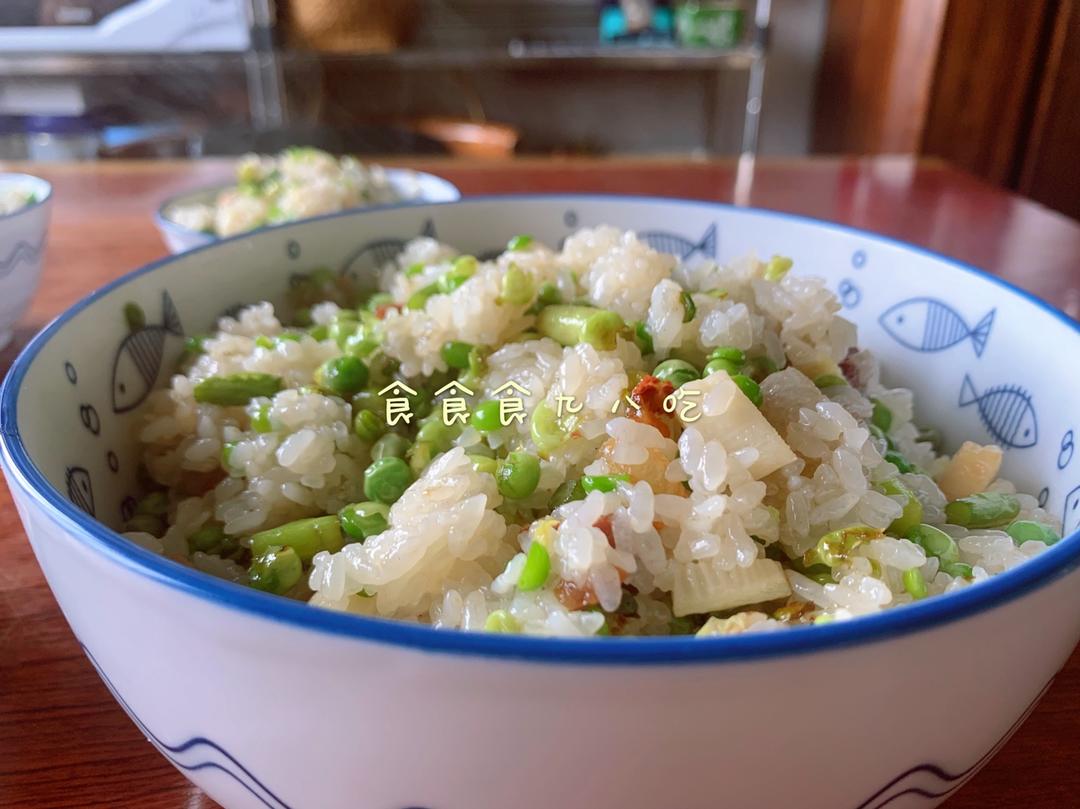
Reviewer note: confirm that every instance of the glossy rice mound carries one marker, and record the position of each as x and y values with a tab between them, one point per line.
751	516
298	183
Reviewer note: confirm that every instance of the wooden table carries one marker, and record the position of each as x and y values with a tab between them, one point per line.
65	743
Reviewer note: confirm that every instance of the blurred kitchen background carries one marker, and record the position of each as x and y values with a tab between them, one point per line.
993	86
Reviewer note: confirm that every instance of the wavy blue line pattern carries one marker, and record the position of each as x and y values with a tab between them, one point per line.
173	752
22	252
883	797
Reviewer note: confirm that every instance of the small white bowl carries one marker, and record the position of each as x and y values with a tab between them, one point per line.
267	702
22	249
413	187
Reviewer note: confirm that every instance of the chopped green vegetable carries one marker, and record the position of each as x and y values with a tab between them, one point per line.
456	354
390	445
517	286
387	479
836	546
518	475
276	570
882	417
689	307
519	242
983	510
570	325
537	567
419	299
749	387
677	372
501	621
777	268
368	426
912	514
307	537
236	389
1030	531
602	483
363	520
342	376
915	583
463	268
935	542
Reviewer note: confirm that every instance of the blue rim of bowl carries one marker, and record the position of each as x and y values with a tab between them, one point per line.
7	217
164	223
1046	568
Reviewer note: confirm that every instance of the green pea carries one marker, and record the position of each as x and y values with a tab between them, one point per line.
503	622
689	307
567	492
456	354
960	570
420	455
830	381
483	464
486	416
519	242
643	339
719	364
1030	531
602	483
146	524
461	271
236	389
390	445
340	331
387	479
368	426
208	539
983	510
677	372
570	325
440	435
363	520
419	299
882	417
307	537
342	376
548	295
733	355
276	570
517	286
912	514
156	503
361	344
915	583
537	567
320	332
935	542
777	268
899	461
749	387
518	475
545	429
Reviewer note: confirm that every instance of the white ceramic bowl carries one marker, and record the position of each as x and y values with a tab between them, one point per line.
22	249
263	701
411	186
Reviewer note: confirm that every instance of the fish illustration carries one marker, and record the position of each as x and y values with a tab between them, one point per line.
1006	412
927	324
138	360
375	255
1070	518
679	246
79	489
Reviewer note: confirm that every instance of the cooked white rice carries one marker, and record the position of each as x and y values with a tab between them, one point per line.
716	520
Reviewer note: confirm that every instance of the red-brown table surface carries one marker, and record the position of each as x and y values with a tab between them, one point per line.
64	742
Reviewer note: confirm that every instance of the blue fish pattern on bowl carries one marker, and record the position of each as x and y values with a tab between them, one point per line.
22	252
680	246
79	488
138	359
928	325
373	255
1006	412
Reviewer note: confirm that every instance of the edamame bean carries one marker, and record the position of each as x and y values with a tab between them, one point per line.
363	520
545	428
915	583
463	268
537	567
1030	531
387	479
368	426
307	537
517	286
519	475
342	376
935	542
419	299
830	381
960	570
912	515
983	510
602	483
881	417
570	325
548	295
236	389
276	570
483	464
501	621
